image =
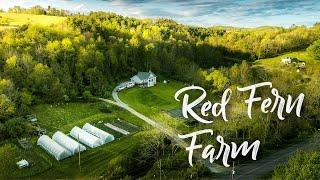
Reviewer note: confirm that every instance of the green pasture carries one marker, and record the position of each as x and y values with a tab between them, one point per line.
13	19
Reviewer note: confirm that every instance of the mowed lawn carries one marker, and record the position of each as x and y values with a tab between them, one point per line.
21	19
63	117
154	99
156	102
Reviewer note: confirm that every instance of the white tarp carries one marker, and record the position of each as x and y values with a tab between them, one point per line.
53	147
68	143
122	131
85	137
104	136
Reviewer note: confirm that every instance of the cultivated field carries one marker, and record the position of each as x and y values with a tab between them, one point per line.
94	162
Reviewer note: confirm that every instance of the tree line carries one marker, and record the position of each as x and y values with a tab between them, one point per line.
38	10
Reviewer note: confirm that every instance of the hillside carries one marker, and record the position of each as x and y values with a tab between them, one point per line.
11	20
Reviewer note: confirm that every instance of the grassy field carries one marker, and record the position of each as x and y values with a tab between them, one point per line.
14	20
11	154
63	117
152	100
275	63
306	76
157	102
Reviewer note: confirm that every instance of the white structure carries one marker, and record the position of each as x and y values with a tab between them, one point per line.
53	147
290	60
287	60
68	143
129	84
145	79
33	120
302	64
122	131
22	164
104	136
85	137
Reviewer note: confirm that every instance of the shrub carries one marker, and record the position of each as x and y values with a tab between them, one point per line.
314	50
87	96
302	165
105	108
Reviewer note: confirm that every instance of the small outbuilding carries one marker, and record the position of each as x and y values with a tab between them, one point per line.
104	136
287	60
85	137
145	79
68	143
22	164
293	60
53	147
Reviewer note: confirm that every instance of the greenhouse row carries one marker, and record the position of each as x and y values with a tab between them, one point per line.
62	146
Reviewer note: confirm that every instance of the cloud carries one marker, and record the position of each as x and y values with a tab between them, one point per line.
79	6
200	12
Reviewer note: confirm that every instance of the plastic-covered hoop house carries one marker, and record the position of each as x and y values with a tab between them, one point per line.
53	147
67	142
85	137
104	136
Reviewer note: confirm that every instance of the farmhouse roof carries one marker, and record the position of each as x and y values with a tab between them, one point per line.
145	75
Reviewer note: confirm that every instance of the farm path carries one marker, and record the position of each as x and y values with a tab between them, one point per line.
165	129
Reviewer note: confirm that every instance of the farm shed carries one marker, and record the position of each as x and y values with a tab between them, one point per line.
104	136
22	164
85	137
68	143
53	147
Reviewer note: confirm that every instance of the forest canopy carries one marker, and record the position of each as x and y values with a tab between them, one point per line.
38	10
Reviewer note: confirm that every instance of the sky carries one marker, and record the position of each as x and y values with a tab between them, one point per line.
237	13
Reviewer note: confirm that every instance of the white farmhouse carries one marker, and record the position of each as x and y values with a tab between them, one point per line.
287	60
145	79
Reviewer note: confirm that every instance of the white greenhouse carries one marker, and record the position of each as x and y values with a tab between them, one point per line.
104	136
85	137
53	148
68	143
